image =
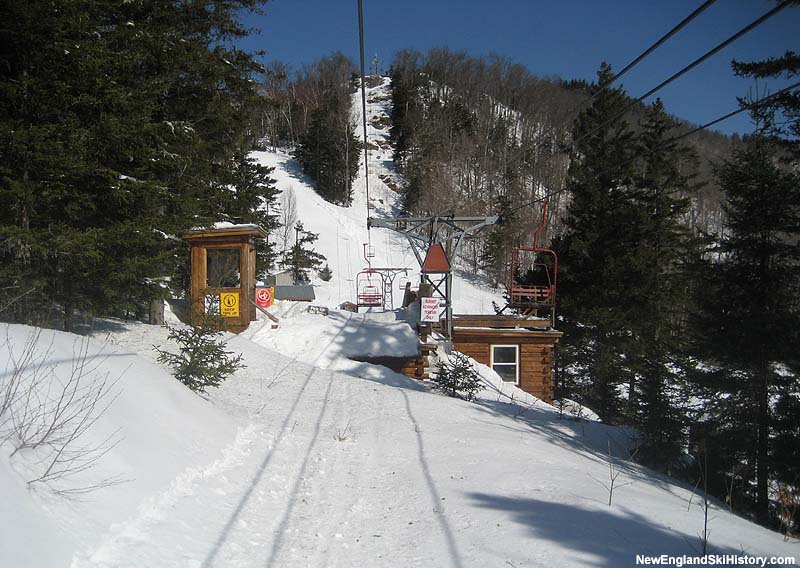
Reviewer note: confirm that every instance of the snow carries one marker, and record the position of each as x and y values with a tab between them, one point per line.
147	405
308	458
343	230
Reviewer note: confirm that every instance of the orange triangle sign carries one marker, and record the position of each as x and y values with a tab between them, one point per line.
436	260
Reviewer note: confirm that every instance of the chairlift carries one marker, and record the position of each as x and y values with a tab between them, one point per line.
533	277
532	280
369	289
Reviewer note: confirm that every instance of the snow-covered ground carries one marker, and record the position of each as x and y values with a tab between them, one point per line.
308	458
291	463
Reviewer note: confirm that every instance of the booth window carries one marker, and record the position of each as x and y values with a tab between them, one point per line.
505	362
222	268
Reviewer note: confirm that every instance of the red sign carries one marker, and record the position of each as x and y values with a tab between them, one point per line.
264	297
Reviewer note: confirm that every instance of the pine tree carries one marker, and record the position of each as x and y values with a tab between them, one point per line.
779	117
117	120
300	258
595	256
457	377
328	150
250	196
662	251
202	360
750	317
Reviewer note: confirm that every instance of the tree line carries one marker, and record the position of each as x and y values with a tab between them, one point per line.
121	125
688	333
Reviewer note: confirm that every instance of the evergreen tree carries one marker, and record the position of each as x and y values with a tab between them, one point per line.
250	196
663	252
202	360
779	117
623	264
749	319
301	258
457	377
501	239
595	264
117	120
329	150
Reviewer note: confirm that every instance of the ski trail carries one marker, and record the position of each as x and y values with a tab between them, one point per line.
134	533
299	479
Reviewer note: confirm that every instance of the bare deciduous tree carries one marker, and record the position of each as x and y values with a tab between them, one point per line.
46	411
288	218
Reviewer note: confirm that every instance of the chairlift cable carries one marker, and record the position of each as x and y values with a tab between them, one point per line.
675	139
641	57
666	82
702	8
364	109
685	70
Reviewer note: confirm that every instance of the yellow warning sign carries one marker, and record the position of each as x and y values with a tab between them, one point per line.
229	304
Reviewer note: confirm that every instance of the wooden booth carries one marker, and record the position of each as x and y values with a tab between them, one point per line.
223	277
519	349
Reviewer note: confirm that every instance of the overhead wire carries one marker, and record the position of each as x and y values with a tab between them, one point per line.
685	70
364	110
664	83
674	139
682	24
641	57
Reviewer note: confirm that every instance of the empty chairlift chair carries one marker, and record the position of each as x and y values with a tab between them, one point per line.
369	289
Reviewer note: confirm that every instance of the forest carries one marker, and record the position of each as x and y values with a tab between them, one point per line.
123	124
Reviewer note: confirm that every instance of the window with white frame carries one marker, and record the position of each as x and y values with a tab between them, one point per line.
505	362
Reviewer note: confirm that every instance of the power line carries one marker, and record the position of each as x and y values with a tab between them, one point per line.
686	69
674	139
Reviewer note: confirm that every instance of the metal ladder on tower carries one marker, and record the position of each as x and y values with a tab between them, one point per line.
388	295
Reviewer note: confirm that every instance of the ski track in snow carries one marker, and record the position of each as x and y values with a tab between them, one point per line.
335	470
266	502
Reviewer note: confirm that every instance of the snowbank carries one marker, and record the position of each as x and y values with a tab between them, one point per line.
153	429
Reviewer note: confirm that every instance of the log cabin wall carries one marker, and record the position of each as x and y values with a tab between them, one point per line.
535	352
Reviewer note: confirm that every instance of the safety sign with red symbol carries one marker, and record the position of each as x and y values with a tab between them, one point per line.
264	297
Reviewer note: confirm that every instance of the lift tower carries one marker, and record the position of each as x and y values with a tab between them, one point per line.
423	233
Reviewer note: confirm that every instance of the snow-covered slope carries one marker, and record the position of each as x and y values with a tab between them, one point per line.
366	468
308	458
154	430
343	230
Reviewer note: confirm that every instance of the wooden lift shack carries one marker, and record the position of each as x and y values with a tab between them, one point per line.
223	273
519	348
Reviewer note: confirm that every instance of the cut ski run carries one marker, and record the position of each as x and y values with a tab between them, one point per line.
326	461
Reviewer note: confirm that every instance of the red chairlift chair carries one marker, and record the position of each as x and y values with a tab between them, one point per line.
369	289
533	277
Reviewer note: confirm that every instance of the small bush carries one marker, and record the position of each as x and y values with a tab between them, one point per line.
457	377
325	273
202	360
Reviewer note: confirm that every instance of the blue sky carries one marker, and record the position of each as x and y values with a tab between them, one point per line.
564	38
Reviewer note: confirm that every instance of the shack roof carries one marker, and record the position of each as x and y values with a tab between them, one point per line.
225	230
298	293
